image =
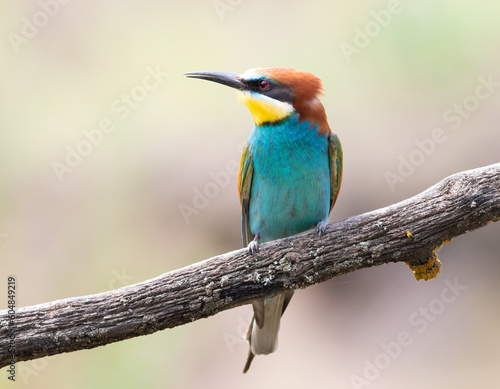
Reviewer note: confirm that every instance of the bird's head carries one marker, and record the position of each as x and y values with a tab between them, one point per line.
273	94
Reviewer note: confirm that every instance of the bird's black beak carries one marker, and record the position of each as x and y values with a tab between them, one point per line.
225	78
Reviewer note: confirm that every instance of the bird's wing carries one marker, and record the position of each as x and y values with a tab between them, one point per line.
335	159
244	187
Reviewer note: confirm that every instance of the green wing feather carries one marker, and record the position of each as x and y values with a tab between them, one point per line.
335	157
244	186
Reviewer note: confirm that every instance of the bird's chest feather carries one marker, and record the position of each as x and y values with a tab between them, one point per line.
291	180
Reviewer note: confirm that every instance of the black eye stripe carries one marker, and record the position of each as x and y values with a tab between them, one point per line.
275	91
254	85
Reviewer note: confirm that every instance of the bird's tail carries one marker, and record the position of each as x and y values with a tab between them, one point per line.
263	332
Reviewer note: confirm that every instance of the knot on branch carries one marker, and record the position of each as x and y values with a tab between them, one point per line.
428	270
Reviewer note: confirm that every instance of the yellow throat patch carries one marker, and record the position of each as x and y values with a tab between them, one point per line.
263	108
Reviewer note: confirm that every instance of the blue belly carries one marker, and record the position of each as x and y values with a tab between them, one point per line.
291	179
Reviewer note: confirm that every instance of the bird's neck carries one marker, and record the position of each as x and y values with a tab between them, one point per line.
288	130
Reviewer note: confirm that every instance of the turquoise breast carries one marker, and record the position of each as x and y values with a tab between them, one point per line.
290	190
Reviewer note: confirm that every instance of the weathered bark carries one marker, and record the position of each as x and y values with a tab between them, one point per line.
408	231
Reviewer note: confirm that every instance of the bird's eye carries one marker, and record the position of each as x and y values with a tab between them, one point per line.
263	85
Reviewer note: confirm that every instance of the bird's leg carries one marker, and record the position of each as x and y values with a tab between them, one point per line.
254	245
321	227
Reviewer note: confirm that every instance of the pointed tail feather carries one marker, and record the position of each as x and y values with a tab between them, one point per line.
250	358
262	334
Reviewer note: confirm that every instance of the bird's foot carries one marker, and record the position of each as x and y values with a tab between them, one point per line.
253	247
321	227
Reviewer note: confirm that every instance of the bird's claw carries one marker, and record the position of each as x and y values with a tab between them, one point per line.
321	227
253	247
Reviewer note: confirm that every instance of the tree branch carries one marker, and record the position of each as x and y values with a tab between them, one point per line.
409	231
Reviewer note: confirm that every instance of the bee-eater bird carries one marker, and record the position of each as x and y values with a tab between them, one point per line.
290	172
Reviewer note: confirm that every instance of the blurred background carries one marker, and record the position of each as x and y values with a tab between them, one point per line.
115	168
